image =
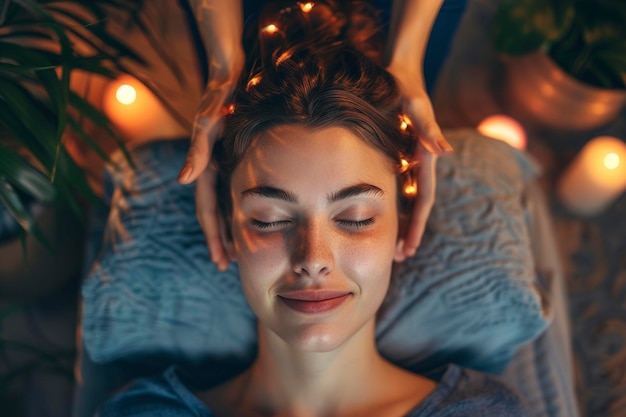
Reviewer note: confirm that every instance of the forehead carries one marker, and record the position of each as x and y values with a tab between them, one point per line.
322	153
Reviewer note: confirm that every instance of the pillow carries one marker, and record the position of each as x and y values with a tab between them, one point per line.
468	296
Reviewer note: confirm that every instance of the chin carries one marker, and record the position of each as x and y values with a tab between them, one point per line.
316	338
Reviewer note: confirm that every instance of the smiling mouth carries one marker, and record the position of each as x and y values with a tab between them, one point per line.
314	302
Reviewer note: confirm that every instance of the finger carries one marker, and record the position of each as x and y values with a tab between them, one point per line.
208	217
206	130
421	113
427	181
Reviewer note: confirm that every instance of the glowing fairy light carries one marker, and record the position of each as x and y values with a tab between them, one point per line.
306	7
410	188
230	109
404	165
611	161
283	57
271	28
405	122
126	94
253	81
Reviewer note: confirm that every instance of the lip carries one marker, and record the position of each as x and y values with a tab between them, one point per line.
314	302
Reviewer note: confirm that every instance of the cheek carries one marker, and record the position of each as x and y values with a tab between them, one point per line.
260	260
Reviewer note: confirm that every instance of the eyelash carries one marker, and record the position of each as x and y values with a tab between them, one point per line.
351	224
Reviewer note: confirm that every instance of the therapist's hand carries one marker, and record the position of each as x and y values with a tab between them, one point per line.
418	107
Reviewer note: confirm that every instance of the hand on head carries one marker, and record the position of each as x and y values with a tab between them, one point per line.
432	144
207	130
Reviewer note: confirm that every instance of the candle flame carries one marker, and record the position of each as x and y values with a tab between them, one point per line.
126	94
611	160
271	28
306	7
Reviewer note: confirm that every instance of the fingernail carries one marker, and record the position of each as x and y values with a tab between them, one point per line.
185	173
443	144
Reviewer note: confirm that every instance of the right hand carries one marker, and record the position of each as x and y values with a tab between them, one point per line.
207	129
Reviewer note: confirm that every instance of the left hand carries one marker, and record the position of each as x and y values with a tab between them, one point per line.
432	143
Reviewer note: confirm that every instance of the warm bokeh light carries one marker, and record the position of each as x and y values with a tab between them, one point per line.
271	28
137	113
611	160
126	94
405	122
253	81
404	165
504	128
410	189
595	178
306	7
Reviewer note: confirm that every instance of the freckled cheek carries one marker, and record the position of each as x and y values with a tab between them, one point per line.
258	254
369	259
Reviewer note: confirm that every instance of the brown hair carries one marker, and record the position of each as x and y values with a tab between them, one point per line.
316	68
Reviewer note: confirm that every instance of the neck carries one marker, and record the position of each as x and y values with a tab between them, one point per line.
295	382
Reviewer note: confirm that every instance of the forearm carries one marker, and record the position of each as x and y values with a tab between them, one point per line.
220	23
411	23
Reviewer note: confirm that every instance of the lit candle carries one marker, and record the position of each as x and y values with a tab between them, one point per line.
596	176
505	128
137	113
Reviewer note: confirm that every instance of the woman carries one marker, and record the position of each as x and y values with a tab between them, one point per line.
314	182
219	24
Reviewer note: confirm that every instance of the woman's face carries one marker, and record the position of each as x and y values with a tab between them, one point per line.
314	227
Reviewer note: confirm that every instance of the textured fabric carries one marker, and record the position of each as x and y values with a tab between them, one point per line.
470	295
153	289
459	393
467	297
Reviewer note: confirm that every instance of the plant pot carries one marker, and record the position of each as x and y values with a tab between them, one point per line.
539	93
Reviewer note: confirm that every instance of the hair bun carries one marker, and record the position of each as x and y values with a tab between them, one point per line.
287	28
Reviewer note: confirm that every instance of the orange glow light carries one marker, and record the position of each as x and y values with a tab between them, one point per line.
405	122
410	189
126	94
611	161
504	128
306	7
253	81
272	28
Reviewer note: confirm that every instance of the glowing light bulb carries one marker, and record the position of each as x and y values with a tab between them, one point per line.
306	7
410	189
611	160
230	109
405	122
253	81
404	165
271	28
126	94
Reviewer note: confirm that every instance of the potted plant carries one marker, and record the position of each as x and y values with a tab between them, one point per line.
565	60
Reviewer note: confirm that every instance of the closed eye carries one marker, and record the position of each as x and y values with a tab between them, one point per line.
356	224
265	226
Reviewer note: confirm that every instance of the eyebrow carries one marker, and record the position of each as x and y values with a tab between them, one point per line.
344	193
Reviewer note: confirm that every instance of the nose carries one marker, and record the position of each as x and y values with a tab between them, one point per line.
312	253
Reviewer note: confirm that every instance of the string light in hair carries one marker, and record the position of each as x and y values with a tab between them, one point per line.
410	187
283	57
405	122
230	109
271	29
404	165
306	7
253	81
